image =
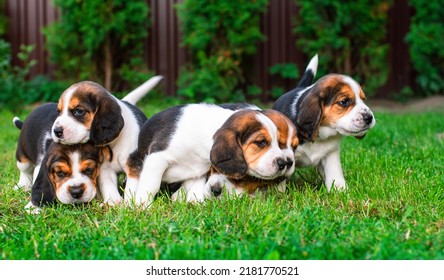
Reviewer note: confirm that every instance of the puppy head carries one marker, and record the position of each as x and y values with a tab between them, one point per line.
335	102
251	143
87	112
286	137
69	173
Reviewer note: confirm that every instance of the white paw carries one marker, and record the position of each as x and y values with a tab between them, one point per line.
25	187
339	186
32	209
112	202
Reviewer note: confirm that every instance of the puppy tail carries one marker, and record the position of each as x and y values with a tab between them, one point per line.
134	96
310	72
17	122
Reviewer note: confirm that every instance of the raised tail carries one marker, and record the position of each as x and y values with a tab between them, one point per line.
17	122
310	72
134	96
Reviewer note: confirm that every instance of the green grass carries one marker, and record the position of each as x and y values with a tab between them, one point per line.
393	209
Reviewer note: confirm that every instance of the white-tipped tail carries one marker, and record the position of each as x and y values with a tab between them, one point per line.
17	122
313	65
134	96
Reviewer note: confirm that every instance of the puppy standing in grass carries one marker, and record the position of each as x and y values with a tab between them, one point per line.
324	112
175	146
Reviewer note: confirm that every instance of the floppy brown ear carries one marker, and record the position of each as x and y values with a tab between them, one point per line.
43	191
226	154
105	153
309	116
108	121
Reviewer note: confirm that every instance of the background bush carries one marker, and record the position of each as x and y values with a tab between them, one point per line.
221	36
15	88
100	40
349	37
426	40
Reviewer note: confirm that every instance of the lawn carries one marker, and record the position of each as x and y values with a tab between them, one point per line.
393	209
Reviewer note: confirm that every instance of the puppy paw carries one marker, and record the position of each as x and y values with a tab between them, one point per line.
111	202
32	209
25	188
340	186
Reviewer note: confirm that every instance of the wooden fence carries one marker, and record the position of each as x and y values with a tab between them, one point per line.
164	54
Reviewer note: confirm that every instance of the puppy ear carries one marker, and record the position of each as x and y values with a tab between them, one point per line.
43	191
105	153
309	116
226	154
108	121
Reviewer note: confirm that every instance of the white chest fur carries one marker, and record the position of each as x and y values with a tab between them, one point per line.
311	154
127	140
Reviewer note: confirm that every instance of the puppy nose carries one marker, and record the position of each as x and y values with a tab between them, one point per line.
76	191
281	164
368	118
289	163
58	131
216	190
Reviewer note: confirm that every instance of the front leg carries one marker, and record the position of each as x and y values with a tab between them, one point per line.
108	185
333	175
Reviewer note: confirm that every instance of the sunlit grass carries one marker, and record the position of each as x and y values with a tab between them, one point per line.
393	209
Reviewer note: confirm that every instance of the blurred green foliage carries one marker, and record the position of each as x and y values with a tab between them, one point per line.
3	20
221	36
98	40
349	37
426	40
16	90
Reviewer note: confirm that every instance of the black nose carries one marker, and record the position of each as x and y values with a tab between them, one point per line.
58	131
216	190
76	191
289	163
281	164
368	118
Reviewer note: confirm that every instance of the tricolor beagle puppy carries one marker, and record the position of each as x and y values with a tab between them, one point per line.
251	152
175	145
67	173
324	112
88	112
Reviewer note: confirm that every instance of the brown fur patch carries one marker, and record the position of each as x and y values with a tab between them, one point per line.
256	146
251	184
336	93
283	125
58	168
85	98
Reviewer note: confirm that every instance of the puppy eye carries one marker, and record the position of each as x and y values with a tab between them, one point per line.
88	171
261	143
344	102
61	174
78	112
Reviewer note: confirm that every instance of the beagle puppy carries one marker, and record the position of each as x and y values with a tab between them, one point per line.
88	112
251	152
68	173
175	145
324	112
